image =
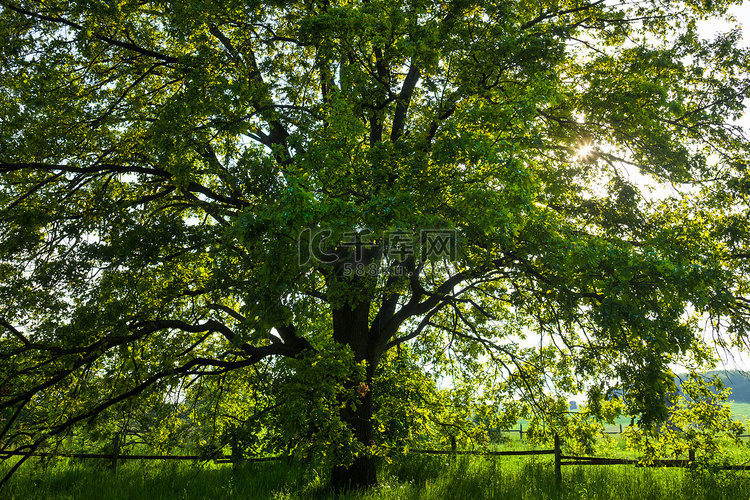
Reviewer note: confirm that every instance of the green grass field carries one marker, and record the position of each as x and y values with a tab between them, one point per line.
413	476
741	412
407	477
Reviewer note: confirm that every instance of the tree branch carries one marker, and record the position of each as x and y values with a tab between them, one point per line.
403	101
124	45
15	332
550	15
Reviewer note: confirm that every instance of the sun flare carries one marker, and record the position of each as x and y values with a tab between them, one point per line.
585	151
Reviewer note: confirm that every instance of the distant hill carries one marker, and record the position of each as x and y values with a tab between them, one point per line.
739	381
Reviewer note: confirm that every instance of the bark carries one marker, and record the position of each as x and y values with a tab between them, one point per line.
351	327
363	471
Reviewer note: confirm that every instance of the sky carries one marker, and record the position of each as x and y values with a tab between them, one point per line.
733	360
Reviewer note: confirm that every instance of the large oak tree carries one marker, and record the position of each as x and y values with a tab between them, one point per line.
194	188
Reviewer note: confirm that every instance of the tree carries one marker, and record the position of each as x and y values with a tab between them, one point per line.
191	189
699	418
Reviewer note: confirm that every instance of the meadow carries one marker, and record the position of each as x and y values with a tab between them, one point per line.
412	476
741	412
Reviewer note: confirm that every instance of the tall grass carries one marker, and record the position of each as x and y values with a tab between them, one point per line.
411	477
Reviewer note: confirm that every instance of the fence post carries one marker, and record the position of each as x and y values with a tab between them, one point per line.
237	455
520	432
691	455
558	455
115	453
620	428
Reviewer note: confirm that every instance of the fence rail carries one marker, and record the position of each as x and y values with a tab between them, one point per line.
560	459
572	460
116	457
481	452
521	431
7	454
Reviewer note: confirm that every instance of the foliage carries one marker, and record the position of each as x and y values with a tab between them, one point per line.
737	380
699	418
228	216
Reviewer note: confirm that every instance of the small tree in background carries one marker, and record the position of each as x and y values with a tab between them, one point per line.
700	418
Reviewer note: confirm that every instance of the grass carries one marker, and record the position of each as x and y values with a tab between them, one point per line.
741	412
411	477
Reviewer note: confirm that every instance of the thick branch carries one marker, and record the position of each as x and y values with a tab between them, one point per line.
404	98
550	15
422	325
97	168
15	332
288	334
228	310
106	39
193	187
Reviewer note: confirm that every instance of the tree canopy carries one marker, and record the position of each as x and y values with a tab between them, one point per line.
317	212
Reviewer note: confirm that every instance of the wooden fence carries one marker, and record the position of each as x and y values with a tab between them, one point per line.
564	460
116	457
560	459
520	431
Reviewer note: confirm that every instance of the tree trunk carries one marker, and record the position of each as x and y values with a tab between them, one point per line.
362	472
351	327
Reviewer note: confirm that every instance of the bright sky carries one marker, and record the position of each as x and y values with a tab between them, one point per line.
733	360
